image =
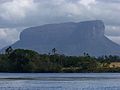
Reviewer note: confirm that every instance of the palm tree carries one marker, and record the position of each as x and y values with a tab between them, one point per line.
54	51
54	54
8	50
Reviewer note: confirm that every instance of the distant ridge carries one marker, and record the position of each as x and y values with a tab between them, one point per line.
69	39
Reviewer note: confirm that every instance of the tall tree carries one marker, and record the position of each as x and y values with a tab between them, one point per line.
54	51
8	50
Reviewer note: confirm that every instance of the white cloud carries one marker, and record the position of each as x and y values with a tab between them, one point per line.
115	39
8	36
36	12
113	31
87	3
15	9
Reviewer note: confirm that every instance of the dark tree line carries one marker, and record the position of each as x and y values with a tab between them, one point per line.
20	60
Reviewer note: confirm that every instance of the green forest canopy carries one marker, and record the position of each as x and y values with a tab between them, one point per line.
21	60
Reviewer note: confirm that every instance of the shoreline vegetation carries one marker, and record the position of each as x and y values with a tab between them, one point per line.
29	61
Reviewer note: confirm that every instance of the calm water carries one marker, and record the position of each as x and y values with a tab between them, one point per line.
60	81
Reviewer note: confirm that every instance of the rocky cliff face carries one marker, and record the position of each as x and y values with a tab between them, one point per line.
69	38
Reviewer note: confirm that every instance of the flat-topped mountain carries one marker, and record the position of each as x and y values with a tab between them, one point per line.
69	39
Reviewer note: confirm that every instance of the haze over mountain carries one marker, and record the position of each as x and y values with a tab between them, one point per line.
69	39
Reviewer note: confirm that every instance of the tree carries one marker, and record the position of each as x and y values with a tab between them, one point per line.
8	50
54	51
23	60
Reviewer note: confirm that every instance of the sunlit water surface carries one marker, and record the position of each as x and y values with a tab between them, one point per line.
59	81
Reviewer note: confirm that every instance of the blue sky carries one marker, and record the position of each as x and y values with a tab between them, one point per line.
15	15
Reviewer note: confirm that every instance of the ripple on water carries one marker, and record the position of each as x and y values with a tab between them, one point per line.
39	82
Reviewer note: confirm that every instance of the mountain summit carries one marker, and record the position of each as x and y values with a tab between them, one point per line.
69	39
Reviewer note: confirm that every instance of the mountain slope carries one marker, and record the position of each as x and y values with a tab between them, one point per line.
69	39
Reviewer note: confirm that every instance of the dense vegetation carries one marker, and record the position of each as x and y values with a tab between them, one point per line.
20	60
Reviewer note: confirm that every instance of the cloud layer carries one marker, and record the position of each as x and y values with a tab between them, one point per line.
8	36
15	13
25	13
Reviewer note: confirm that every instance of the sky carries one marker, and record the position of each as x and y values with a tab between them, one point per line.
15	15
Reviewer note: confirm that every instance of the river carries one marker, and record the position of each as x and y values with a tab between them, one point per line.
59	81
